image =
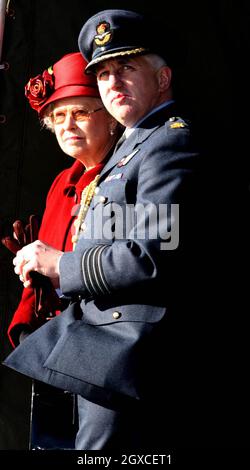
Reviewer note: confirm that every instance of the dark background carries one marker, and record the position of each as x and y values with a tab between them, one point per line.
209	38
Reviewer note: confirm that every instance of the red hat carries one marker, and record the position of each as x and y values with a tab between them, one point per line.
64	79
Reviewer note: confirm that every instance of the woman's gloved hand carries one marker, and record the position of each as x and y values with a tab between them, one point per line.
46	299
22	234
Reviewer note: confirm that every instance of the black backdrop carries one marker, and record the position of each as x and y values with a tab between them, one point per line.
39	32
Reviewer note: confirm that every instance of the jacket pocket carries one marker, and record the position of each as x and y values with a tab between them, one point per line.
109	355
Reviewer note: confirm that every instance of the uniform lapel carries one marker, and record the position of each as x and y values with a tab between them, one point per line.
125	146
126	149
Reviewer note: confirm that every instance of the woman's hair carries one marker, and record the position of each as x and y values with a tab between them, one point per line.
47	117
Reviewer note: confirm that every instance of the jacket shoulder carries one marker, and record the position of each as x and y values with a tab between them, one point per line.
176	122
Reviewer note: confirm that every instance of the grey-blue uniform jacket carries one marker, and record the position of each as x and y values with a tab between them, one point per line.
125	274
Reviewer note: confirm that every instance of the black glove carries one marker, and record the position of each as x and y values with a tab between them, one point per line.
46	299
24	334
23	235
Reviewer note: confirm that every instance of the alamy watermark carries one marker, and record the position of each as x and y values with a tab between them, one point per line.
133	222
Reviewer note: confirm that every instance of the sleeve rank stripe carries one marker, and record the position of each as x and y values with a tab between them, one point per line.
99	269
93	273
86	272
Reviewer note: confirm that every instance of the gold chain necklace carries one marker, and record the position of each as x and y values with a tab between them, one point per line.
86	198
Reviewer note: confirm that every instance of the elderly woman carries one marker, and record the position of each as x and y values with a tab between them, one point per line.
68	103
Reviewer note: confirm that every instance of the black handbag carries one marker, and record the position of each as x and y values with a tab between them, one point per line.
53	418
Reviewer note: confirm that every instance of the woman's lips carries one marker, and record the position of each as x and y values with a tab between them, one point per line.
73	138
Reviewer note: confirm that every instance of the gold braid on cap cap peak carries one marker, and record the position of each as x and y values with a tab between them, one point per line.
139	50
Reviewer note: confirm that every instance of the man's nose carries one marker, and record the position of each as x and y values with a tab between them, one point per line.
114	79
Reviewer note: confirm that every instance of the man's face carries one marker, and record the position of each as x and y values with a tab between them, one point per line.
129	88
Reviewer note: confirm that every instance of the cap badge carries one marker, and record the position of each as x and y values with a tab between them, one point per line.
104	35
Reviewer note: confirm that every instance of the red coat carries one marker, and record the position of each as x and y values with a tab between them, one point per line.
56	230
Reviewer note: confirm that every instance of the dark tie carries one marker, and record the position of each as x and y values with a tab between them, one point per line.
120	142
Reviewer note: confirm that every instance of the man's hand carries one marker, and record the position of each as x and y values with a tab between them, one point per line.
38	257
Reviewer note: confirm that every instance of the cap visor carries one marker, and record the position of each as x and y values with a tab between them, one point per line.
111	55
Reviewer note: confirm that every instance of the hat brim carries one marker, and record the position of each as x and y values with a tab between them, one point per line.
112	54
70	91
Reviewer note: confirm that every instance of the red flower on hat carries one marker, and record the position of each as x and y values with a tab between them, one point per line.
39	89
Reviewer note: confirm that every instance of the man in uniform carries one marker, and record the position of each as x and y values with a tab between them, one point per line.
123	345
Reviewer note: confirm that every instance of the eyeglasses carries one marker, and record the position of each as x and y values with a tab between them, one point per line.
79	114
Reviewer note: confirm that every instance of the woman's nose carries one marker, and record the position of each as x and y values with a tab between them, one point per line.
69	121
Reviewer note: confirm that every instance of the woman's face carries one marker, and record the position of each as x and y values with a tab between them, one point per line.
83	128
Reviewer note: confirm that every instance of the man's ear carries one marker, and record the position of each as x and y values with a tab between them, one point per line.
165	75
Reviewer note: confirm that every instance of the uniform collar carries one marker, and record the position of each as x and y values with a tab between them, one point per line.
140	134
153	111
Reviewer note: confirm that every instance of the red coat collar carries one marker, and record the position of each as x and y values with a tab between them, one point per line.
77	178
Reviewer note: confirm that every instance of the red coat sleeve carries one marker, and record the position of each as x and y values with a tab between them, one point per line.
55	230
25	313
